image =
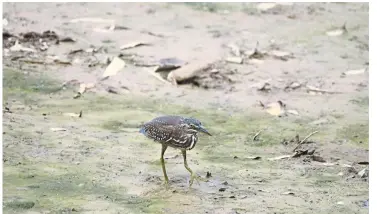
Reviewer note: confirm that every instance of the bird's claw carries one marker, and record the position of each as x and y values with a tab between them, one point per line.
197	178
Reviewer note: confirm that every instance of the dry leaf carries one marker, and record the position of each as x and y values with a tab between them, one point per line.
5	22
276	108
263	86
265	6
280	54
329	164
44	46
255	61
188	71
73	114
237	60
318	158
112	90
67	39
76	51
337	32
235	49
294	85
18	47
279	157
318	90
154	73
90	85
249	53
58	129
101	30
91	50
73	82
58	61
111	28
133	45
291	111
32	61
288	193
363	162
254	158
92	19
364	173
354	72
82	88
115	66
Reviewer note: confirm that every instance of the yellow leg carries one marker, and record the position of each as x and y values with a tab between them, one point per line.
192	174
163	149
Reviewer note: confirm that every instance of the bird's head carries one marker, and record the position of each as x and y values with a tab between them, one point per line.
196	125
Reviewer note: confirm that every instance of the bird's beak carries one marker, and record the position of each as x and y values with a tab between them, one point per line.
202	129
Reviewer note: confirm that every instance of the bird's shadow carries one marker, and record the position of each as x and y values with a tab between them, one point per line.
180	185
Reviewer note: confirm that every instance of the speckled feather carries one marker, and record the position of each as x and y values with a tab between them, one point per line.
172	131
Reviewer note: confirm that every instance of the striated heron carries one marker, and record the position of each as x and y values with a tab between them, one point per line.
177	132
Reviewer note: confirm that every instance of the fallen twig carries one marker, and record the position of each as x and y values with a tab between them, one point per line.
302	141
257	134
315	89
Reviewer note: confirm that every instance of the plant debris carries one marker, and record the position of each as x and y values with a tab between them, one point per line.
73	114
315	90
134	44
169	64
255	138
188	71
92	19
304	140
282	55
67	40
58	129
237	60
208	175
280	157
115	66
18	47
363	163
265	6
291	111
364	173
112	90
338	31
222	189
288	193
275	109
292	86
264	86
354	72
153	34
83	88
235	50
254	157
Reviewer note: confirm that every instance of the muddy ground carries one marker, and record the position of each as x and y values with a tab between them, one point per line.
54	162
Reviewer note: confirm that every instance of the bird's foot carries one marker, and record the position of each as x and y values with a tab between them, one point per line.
197	178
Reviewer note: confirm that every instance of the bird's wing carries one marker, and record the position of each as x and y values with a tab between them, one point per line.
170	134
167	120
157	131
